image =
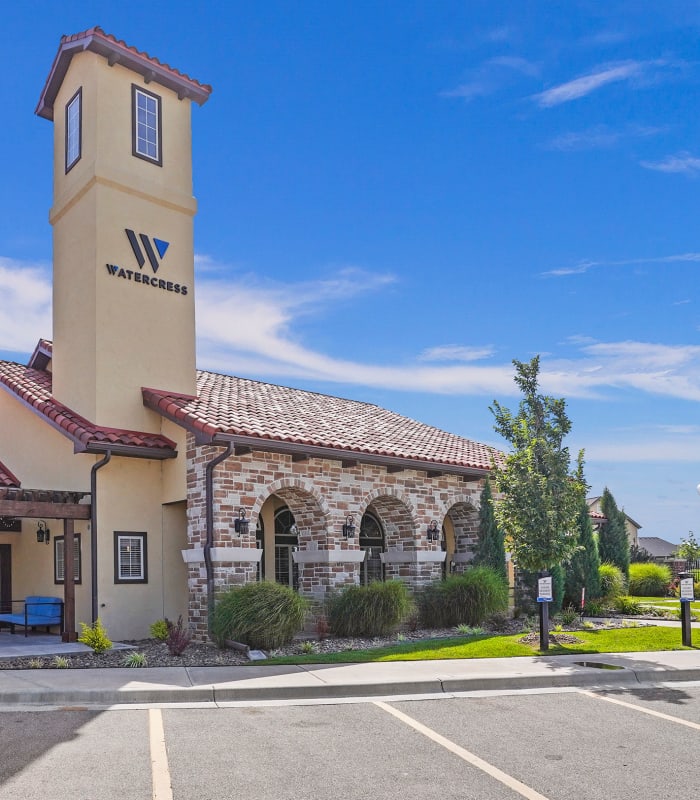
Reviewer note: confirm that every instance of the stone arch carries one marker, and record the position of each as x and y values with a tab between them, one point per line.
463	518
397	515
311	511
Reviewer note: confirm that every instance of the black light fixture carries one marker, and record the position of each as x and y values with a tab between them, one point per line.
434	531
43	534
349	527
240	524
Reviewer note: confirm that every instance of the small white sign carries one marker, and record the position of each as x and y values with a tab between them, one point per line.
687	594
544	590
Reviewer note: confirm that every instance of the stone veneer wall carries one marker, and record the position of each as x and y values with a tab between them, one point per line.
321	493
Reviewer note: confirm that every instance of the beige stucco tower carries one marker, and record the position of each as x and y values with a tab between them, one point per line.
122	219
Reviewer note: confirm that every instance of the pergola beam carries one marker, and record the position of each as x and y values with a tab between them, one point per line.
43	510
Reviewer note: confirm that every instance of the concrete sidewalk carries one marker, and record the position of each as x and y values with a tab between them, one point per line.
105	687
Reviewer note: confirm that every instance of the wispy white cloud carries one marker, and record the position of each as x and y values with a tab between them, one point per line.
587	265
25	311
586	84
600	137
455	352
683	163
650	443
515	63
490	76
252	327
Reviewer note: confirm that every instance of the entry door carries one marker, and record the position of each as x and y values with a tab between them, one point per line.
5	578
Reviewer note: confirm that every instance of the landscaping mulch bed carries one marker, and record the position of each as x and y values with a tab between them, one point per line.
208	655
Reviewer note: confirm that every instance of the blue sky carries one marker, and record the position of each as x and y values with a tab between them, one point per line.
396	199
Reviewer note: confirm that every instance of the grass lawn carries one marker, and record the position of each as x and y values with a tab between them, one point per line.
672	603
615	640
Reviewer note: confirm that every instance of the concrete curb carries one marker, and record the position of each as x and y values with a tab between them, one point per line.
225	692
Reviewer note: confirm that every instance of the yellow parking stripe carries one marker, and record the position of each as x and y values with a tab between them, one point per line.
162	790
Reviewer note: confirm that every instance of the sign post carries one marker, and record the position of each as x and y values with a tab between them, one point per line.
687	597
544	598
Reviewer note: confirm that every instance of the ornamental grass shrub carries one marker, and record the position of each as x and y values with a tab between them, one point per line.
649	580
263	615
612	581
373	610
467	599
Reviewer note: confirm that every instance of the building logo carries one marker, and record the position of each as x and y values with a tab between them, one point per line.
160	246
146	247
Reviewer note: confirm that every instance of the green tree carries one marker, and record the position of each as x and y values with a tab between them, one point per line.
613	544
689	548
541	495
490	549
582	567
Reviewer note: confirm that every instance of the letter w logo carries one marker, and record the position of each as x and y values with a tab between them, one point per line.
160	247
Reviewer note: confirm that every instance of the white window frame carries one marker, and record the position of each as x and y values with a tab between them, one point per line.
74	130
130	566
146	133
59	566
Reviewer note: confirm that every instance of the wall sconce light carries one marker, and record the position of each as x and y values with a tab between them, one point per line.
349	527
240	525
43	534
433	531
453	567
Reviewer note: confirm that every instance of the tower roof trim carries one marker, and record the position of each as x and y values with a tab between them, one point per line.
116	51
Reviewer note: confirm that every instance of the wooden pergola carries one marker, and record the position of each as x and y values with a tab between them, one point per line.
49	504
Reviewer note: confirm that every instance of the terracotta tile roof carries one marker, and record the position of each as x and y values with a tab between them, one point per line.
232	407
7	479
33	388
116	51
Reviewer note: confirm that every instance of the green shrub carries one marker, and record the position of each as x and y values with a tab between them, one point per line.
649	580
612	581
595	608
135	660
569	615
463	599
263	615
95	636
372	610
159	630
626	605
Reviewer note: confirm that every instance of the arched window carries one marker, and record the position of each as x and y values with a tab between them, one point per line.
286	541
371	541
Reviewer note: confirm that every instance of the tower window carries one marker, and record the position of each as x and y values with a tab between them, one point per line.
74	129
146	127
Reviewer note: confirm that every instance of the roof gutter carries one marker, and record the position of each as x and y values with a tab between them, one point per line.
295	448
93	531
209	543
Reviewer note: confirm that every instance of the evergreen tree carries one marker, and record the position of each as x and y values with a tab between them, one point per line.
613	544
582	569
490	549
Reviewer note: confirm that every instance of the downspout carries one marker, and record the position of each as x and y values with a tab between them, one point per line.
209	543
93	530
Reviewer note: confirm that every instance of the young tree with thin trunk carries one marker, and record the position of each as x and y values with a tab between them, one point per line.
541	495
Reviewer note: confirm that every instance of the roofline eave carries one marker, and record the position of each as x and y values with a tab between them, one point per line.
338	454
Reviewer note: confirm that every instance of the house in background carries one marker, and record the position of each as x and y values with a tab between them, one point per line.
659	549
632	528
